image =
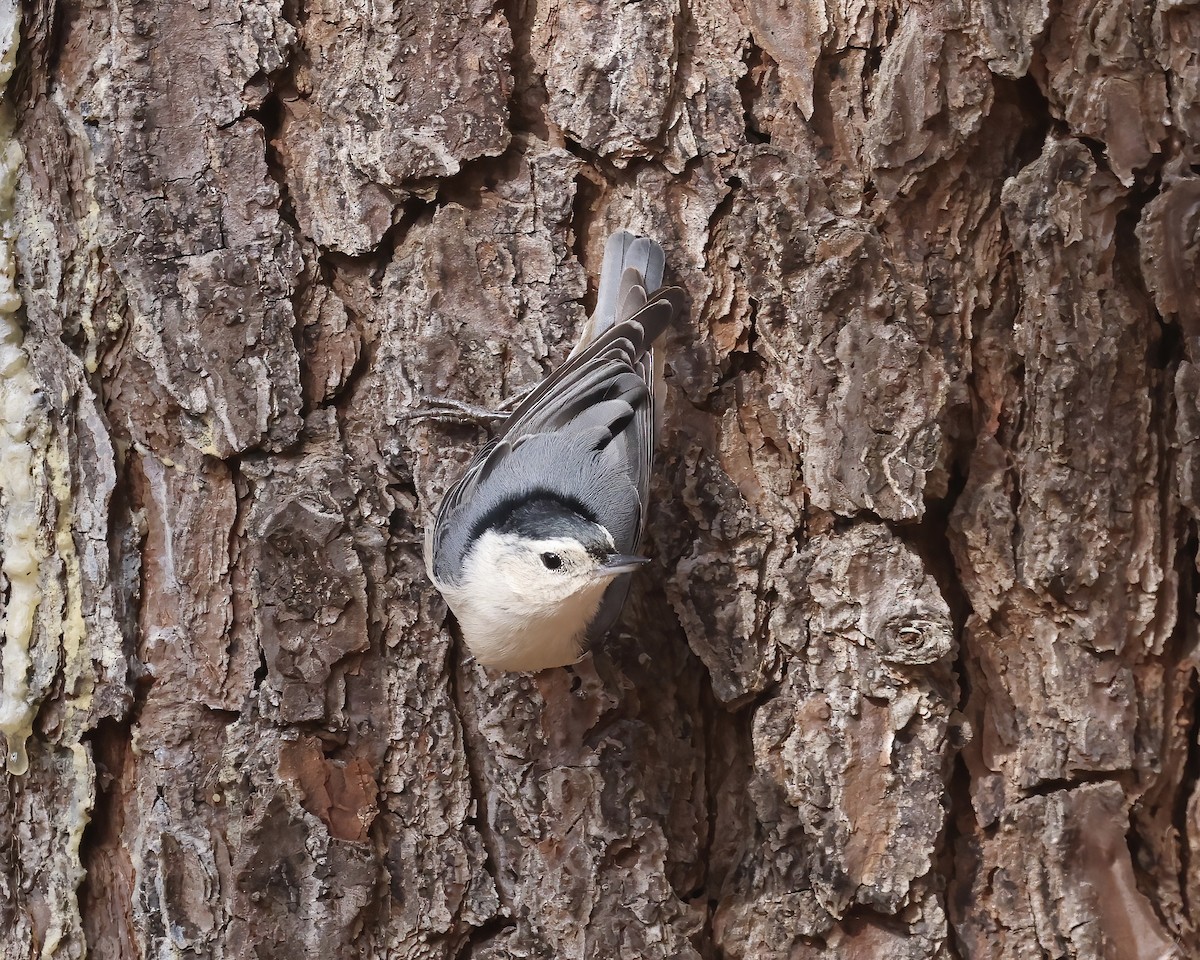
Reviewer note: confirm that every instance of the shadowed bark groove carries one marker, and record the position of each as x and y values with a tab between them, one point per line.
916	671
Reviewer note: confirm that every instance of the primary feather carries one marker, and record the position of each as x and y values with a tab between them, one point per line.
574	457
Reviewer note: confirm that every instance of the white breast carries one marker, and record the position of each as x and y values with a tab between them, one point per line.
514	643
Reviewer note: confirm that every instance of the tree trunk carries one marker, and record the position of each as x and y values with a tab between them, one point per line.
915	672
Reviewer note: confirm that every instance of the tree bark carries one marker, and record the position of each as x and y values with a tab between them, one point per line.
915	673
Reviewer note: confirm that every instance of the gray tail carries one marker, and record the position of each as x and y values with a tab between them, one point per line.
629	261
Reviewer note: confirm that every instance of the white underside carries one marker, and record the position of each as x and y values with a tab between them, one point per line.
507	640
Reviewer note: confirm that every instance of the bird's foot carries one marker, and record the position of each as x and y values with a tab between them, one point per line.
454	411
459	411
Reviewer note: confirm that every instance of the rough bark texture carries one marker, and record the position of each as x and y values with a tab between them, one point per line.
915	672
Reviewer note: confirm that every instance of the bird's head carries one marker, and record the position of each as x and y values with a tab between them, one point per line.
532	581
544	560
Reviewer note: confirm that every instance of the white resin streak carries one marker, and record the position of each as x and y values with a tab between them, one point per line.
21	420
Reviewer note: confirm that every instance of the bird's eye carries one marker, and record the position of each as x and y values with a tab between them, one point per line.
551	561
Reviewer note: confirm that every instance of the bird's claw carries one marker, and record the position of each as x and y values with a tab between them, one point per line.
460	411
454	411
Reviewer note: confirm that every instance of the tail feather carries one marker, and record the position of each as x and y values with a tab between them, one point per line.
629	262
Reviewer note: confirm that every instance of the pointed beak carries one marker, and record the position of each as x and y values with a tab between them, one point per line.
617	563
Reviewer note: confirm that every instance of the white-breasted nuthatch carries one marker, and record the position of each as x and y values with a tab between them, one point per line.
533	545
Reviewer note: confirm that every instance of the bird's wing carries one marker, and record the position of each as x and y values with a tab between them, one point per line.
639	439
440	563
556	400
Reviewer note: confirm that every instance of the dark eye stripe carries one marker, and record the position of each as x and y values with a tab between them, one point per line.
551	561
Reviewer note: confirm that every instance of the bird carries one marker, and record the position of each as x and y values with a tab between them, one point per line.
533	546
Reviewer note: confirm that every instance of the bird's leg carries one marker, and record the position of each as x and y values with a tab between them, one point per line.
511	402
459	411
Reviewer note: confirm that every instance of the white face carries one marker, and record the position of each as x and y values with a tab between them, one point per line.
526	604
532	575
